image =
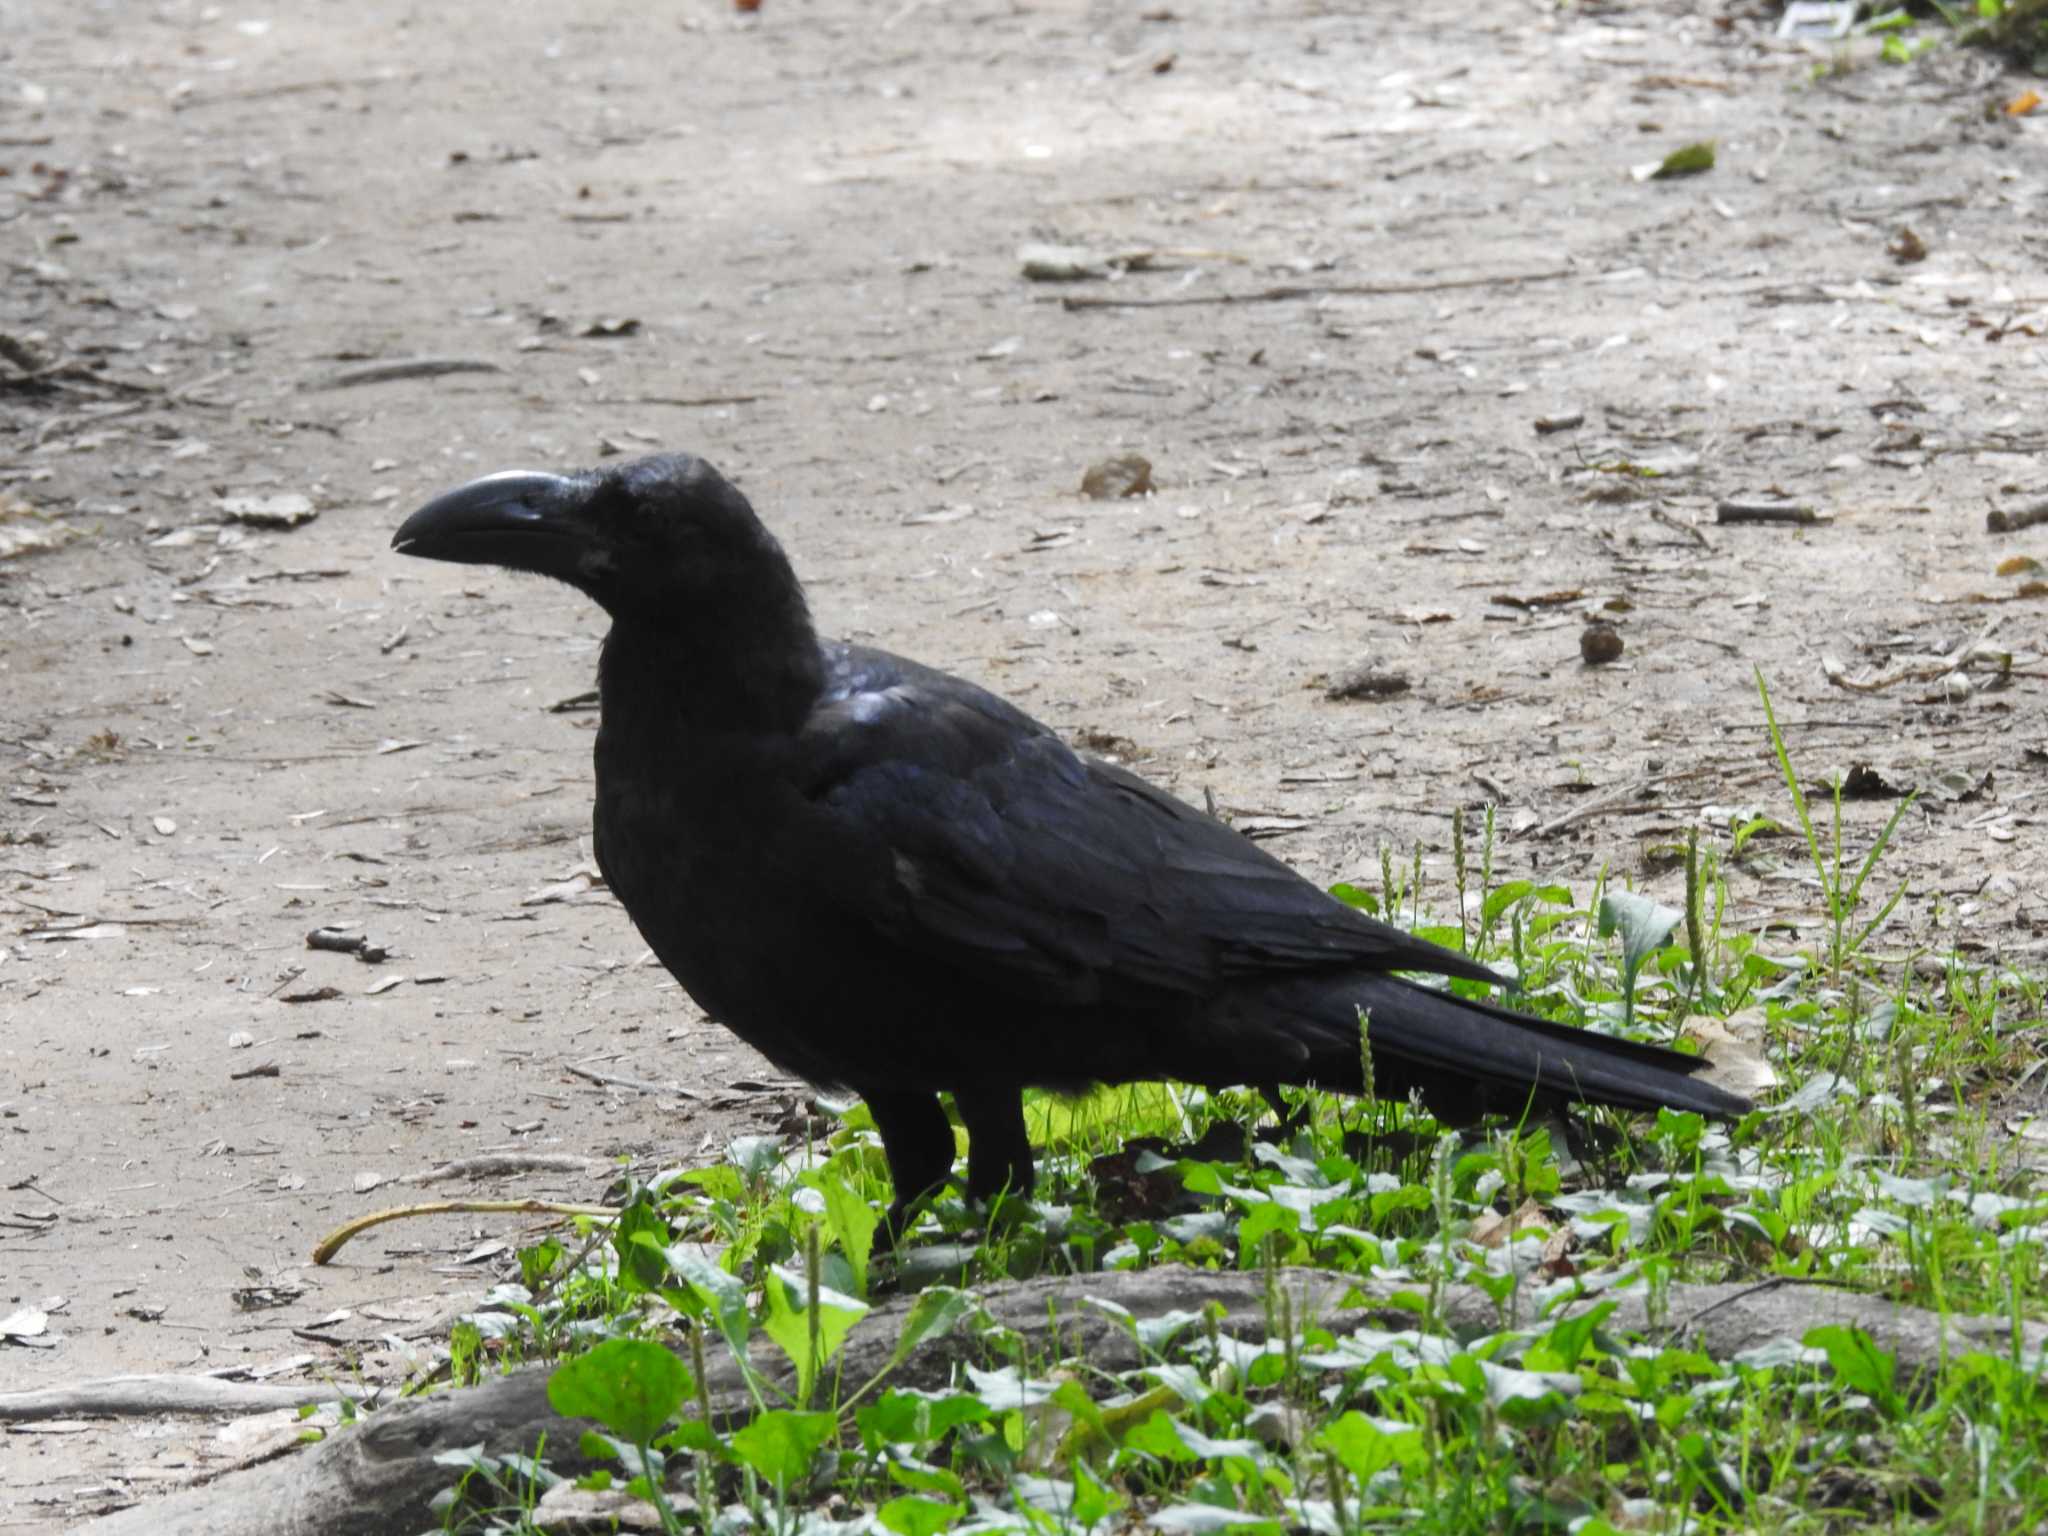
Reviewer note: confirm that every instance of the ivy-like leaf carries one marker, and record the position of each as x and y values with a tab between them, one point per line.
631	1386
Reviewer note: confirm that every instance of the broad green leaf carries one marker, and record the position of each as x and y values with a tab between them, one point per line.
1356	896
1201	1178
1159	1436
1092	1501
1569	1337
638	1237
539	1261
708	1291
1646	926
695	1435
851	1221
1502	897
1447	934
1004	1389
1366	1448
924	1478
788	1322
956	1408
1252	1231
720	1183
911	1515
1074	1398
1859	1362
936	1312
780	1443
631	1386
894	1418
916	1418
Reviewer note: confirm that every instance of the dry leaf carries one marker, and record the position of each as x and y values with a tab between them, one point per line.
1490	1229
1733	1048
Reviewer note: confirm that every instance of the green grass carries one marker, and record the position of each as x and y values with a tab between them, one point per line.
1884	1164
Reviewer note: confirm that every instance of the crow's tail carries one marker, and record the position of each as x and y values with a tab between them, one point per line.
1466	1057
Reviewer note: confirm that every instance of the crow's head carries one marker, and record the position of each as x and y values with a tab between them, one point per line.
652	538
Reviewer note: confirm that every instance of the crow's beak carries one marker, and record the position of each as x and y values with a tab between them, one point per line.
521	518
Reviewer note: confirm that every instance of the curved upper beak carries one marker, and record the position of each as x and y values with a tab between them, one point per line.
521	518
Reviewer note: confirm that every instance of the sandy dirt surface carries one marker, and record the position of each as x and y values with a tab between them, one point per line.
1426	374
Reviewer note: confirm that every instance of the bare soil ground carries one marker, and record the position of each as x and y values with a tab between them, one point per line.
1392	246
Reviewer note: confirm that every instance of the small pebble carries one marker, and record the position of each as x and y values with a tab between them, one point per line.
1128	474
1367	682
1599	644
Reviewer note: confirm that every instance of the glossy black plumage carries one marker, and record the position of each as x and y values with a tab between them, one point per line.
886	878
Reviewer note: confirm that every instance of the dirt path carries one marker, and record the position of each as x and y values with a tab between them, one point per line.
791	244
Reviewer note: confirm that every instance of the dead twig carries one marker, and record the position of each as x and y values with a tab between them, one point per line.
1996	521
1624	798
1493	787
290	88
498	1164
1679	525
610	1080
683	402
148	1396
1768	512
1923	671
402	368
336	1240
1315	291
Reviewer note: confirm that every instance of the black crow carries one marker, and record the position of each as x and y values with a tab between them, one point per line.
886	879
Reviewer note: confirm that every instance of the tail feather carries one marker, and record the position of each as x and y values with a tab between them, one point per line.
1463	1050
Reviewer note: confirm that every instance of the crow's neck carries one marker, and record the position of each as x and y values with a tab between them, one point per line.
749	666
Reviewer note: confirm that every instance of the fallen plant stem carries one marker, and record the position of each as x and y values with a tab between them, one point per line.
1289	291
613	1080
402	368
682	402
1996	521
156	1395
499	1164
1768	512
1627	795
334	1241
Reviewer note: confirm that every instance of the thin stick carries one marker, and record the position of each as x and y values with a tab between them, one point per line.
684	402
1996	521
402	368
498	1164
1768	512
638	1085
151	1396
1314	291
1628	794
334	1241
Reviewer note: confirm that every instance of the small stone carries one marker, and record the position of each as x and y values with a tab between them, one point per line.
1128	474
1599	644
1367	682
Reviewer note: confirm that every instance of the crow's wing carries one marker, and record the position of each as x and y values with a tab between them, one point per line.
964	830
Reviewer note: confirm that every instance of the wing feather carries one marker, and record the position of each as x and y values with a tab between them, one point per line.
987	842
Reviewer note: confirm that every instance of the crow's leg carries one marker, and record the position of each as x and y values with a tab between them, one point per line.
917	1138
998	1153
